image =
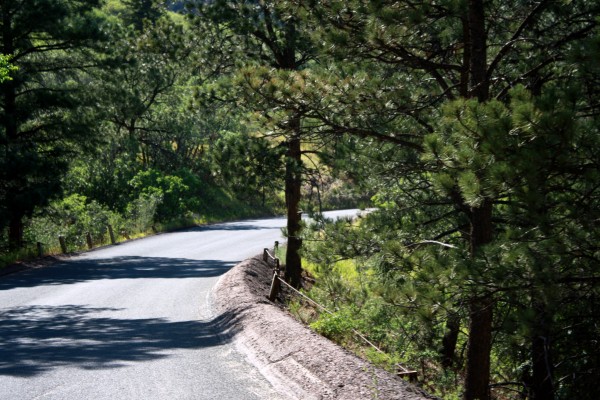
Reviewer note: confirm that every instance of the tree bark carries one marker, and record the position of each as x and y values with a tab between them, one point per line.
481	307
284	55
10	175
293	182
477	378
542	384
477	45
9	122
449	340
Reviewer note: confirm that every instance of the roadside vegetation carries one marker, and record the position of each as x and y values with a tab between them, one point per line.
472	126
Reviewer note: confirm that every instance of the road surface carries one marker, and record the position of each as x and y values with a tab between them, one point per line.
131	321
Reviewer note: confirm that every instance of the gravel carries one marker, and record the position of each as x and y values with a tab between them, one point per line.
299	363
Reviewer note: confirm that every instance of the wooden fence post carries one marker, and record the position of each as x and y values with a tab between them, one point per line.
274	283
111	234
403	372
88	239
40	249
63	244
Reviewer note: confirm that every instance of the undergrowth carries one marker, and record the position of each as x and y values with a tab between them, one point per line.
351	293
74	216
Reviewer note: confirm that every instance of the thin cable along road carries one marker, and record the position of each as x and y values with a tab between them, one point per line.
132	321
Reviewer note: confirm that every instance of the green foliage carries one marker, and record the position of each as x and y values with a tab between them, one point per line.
141	212
526	160
482	169
337	326
249	166
366	302
6	68
72	217
45	113
480	150
172	195
140	12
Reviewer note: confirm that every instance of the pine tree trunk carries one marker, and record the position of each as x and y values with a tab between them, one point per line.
11	177
542	385
15	233
477	379
15	223
293	182
479	85
449	340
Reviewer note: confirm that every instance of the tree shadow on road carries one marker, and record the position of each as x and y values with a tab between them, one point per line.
129	267
36	339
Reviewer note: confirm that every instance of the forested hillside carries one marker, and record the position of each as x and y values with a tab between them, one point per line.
472	126
105	121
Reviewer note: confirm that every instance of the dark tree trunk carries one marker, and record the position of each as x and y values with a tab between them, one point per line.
477	378
449	340
477	48
542	384
15	232
481	226
9	122
10	176
466	61
481	308
293	182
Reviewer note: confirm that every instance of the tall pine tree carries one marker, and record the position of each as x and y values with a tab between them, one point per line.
411	59
268	39
43	112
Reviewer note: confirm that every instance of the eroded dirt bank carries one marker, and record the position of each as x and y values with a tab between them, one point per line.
298	362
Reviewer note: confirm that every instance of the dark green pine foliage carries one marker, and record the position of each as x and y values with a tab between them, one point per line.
140	12
267	41
45	111
250	167
494	156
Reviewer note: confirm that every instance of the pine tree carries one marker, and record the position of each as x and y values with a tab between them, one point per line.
43	114
267	37
413	58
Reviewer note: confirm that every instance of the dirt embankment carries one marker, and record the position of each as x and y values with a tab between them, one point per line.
298	362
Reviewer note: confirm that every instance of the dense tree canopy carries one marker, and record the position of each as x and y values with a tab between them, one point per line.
269	42
44	111
478	97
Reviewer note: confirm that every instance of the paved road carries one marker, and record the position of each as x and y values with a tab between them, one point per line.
131	321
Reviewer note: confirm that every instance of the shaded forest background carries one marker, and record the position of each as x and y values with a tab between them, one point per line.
472	126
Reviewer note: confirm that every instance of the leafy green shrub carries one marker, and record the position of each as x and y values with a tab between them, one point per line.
72	217
170	189
141	213
337	326
181	194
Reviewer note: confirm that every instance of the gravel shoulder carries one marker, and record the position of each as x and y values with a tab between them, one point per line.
297	362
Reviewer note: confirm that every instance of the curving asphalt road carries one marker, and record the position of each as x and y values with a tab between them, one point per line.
132	321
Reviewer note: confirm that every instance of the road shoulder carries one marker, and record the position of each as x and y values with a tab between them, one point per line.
296	361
